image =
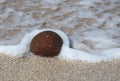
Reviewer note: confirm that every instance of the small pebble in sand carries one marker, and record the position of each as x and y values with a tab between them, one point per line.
46	43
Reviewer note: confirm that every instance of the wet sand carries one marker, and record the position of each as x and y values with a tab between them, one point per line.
54	69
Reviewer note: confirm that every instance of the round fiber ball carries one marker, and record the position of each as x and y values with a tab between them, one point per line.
46	43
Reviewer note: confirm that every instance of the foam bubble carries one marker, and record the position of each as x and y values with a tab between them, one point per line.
1	1
65	53
55	1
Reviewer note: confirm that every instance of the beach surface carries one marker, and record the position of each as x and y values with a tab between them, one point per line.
91	25
54	69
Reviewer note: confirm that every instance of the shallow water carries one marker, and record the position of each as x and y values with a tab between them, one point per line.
91	25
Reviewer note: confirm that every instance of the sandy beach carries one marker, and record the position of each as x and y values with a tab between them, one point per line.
54	69
91	26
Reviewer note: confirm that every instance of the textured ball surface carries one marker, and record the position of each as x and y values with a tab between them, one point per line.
46	43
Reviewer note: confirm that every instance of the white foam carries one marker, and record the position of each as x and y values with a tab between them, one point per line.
20	18
23	47
88	3
66	52
1	1
55	1
101	42
73	54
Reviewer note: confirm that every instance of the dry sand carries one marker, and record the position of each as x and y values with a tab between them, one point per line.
54	69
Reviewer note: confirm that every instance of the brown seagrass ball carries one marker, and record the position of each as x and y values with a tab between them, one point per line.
46	43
